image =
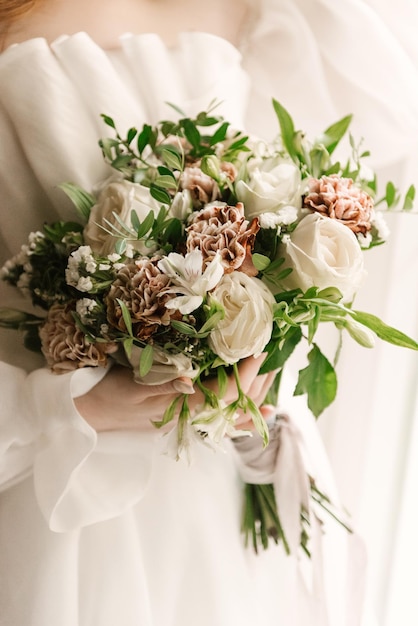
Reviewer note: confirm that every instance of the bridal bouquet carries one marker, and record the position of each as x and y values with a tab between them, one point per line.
203	248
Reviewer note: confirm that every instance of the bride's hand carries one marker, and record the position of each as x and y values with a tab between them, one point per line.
118	403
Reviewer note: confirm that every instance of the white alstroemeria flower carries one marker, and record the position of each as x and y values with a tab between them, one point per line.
189	279
181	441
216	423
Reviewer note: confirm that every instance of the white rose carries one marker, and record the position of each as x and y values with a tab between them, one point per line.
274	184
322	252
246	327
165	367
120	197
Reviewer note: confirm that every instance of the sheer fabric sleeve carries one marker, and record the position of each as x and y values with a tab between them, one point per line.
80	477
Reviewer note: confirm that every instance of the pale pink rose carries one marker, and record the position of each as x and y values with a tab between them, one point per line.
340	199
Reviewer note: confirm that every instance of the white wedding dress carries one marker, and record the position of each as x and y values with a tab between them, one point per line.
104	530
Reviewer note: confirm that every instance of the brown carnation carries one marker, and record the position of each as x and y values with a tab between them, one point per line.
142	287
340	199
224	230
203	188
64	345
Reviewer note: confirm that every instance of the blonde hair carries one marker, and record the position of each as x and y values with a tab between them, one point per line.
12	10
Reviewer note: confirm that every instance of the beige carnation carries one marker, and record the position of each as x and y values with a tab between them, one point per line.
64	345
224	230
202	188
340	199
142	287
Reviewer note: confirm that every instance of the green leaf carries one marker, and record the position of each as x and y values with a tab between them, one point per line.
126	316
318	380
277	358
220	134
182	327
121	161
145	225
82	200
131	135
211	322
383	331
146	360
165	171
127	346
166	182
314	323
222	380
135	223
144	137
191	132
287	129
108	120
330	293
171	157
334	133
260	261
390	196
159	194
168	413
409	199
258	421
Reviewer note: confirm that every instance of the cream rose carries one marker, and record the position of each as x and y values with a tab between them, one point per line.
323	253
246	327
120	197
273	185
